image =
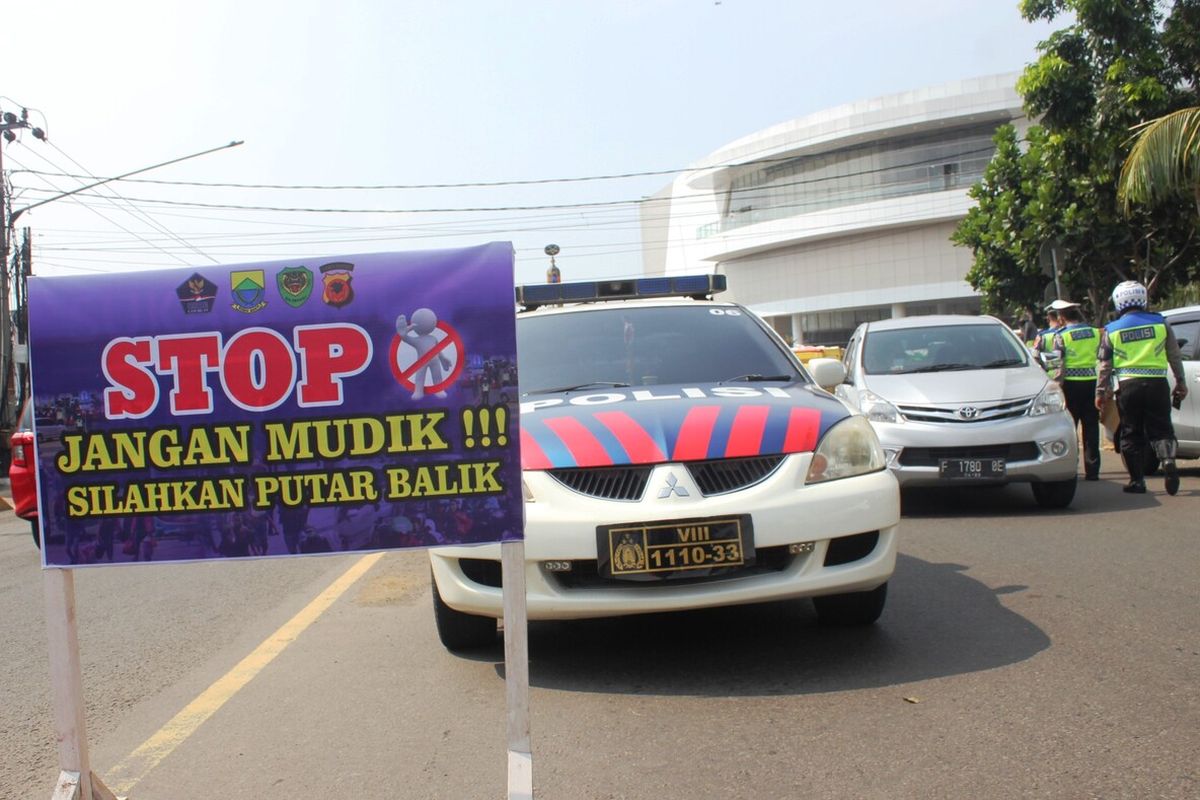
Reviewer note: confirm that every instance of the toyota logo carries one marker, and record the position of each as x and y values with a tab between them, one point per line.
968	412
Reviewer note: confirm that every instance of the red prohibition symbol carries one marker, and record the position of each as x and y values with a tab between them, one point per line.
403	372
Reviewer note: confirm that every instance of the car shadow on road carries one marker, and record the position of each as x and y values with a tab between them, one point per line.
937	622
1016	500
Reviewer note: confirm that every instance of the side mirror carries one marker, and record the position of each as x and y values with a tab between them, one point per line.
827	372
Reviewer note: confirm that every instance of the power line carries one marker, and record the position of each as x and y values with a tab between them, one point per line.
464	185
750	190
74	196
134	210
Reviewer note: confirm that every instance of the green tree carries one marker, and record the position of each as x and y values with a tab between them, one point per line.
1000	228
1117	64
1164	161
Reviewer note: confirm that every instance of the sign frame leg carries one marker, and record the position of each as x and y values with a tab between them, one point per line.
516	670
66	683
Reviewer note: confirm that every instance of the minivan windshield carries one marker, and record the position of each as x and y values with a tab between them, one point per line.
615	346
939	348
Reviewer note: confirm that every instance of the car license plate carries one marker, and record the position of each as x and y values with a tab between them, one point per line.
976	468
674	548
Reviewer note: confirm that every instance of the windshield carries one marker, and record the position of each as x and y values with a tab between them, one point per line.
646	346
941	348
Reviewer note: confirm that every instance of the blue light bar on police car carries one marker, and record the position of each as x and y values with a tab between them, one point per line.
695	286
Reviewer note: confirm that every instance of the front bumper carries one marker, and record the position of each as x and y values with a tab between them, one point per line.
561	526
1035	449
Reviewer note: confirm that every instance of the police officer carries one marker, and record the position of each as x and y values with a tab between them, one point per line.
1075	346
1136	349
1044	344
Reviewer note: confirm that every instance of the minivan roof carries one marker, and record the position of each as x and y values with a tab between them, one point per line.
931	321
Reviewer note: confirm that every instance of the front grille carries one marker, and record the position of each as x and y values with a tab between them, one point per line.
605	483
585	574
732	474
931	456
719	476
983	412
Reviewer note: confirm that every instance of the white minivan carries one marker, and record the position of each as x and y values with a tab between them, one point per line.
960	400
1185	322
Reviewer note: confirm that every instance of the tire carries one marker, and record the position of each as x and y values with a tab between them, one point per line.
460	631
852	608
1054	494
37	539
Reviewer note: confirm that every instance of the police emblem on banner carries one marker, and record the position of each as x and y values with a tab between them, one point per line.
197	294
295	285
336	276
249	290
628	556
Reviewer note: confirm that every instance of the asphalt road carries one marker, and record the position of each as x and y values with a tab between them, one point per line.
1022	654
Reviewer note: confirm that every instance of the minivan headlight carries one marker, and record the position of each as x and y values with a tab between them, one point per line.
1050	401
849	448
877	409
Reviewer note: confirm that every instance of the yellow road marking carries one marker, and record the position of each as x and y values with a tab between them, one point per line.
135	766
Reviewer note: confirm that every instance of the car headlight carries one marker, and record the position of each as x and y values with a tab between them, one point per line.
849	448
877	409
1050	401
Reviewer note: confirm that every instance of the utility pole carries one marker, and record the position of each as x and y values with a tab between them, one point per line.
10	123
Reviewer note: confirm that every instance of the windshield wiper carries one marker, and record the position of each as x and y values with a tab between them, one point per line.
1003	362
943	367
755	377
576	387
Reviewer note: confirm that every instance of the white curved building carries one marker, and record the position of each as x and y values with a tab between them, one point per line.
841	216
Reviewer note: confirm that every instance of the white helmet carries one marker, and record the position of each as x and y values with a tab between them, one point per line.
1129	294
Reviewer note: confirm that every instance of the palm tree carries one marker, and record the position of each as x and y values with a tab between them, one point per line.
1164	161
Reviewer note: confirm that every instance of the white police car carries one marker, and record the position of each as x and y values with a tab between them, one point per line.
677	456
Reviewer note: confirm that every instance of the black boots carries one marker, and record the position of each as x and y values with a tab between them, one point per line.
1170	476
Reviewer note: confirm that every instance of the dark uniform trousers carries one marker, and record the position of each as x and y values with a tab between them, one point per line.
1081	402
1145	406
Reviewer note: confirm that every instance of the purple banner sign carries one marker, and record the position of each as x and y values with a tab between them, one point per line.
363	402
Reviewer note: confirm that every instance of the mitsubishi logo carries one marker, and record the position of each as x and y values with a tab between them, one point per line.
968	412
672	487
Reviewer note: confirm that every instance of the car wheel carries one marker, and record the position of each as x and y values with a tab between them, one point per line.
37	538
460	631
1054	494
852	608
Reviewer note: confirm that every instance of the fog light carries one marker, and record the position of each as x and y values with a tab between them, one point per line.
1056	448
801	548
557	566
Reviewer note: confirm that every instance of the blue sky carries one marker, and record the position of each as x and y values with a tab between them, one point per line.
407	93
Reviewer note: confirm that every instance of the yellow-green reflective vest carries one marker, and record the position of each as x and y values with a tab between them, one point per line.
1139	345
1080	343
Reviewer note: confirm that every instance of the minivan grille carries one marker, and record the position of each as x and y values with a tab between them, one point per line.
966	413
932	456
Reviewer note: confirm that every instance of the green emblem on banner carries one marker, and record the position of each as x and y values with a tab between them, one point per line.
295	285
